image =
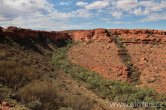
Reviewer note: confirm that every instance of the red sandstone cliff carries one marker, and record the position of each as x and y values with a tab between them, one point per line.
87	35
129	36
27	34
140	35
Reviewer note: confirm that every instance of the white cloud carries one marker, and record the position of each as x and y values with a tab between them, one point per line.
13	8
97	5
139	11
126	4
36	14
2	18
42	13
154	17
64	3
138	8
82	13
120	22
81	4
153	6
117	14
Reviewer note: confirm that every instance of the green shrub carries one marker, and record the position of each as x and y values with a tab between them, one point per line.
15	75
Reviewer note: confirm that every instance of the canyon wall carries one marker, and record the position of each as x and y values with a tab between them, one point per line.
128	36
20	34
87	35
140	35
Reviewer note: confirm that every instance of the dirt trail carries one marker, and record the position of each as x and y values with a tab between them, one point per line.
79	88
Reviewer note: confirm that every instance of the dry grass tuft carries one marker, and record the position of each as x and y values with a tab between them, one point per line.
16	75
40	95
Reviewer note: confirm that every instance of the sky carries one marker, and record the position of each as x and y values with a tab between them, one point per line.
83	14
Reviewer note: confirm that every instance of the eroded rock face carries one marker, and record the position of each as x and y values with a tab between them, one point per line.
82	35
102	35
140	35
87	35
137	31
18	34
130	36
60	35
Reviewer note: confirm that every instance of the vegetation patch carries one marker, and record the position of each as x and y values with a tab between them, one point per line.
112	90
16	75
44	95
40	95
4	93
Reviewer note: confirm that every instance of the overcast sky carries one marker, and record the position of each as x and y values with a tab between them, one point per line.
83	14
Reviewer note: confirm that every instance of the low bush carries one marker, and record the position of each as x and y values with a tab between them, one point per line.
40	95
43	95
16	75
77	102
4	93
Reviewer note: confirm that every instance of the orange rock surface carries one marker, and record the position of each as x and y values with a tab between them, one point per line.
87	35
140	35
27	34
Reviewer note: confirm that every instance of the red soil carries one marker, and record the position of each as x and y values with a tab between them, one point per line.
151	62
147	49
100	57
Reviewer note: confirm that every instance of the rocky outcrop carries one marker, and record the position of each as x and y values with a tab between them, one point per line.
102	34
136	31
140	35
87	35
20	34
82	35
128	36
